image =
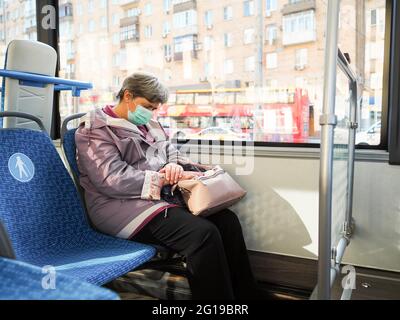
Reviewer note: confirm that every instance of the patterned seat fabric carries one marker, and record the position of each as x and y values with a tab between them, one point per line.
21	281
70	150
43	215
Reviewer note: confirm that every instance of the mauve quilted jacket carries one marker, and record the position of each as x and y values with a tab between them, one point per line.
119	171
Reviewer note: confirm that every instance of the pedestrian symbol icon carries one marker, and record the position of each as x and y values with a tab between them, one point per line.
21	167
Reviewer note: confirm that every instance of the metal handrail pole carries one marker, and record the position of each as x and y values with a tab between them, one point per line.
328	122
352	141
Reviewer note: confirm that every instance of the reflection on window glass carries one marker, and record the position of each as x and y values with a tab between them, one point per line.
206	53
17	21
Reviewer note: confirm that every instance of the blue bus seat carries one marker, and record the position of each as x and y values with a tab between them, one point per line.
21	96
44	217
69	151
22	281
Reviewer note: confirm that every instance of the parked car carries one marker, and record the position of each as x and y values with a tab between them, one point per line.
370	137
213	133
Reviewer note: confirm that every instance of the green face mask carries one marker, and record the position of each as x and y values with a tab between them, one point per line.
140	116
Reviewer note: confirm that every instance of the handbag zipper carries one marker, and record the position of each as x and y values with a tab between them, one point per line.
211	176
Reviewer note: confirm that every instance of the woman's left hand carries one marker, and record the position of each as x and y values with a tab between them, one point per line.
173	172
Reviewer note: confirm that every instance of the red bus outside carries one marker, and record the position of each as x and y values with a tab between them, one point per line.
228	114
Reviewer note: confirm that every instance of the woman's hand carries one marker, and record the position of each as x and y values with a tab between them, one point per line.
173	173
188	175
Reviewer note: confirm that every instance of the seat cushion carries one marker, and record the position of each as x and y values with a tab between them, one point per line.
21	281
95	257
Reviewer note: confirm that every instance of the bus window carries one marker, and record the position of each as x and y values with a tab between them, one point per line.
215	73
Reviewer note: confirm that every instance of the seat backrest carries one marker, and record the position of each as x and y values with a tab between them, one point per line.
39	204
6	249
69	147
33	57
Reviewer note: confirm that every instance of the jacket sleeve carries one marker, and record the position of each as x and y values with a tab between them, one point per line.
99	158
174	155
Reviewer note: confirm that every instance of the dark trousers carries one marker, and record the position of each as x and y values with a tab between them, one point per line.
216	255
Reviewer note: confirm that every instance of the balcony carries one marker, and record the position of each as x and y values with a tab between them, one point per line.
299	6
180	5
188	30
129	21
298	37
129	30
178	56
124	3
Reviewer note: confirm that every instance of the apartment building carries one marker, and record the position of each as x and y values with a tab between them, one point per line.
208	44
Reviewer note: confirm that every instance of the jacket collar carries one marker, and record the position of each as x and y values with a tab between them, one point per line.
97	119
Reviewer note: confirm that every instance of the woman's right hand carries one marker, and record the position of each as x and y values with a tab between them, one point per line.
188	175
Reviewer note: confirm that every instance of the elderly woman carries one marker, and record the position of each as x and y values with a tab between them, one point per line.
125	159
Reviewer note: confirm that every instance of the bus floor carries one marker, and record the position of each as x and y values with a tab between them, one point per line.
371	284
158	285
149	284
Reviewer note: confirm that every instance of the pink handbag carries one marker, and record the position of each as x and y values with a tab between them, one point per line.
210	193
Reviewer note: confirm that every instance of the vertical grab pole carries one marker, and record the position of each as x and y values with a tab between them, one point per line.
328	122
76	104
348	227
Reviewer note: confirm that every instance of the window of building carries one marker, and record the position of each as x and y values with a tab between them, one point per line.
207	71
167	51
91	6
166	28
133	12
148	31
228	66
115	19
270	5
271	34
208	18
228	40
184	43
116	81
128	32
301	58
228	13
79	9
148	9
166	6
92	25
208	43
250	64
103	22
185	19
248	8
373	17
248	35
299	28
116	59
116	38
272	60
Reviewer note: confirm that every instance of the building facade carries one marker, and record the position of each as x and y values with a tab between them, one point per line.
195	44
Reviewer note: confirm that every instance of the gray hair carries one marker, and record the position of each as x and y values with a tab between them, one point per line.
145	85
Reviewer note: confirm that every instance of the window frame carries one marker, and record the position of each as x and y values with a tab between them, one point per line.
391	116
390	99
